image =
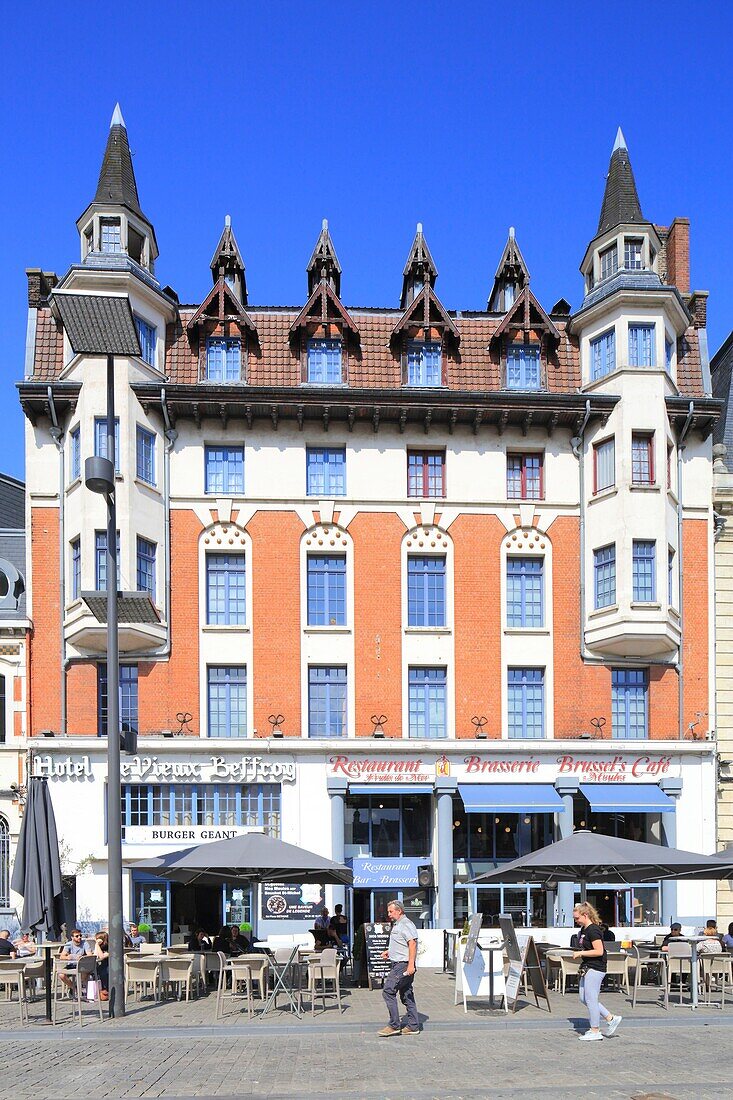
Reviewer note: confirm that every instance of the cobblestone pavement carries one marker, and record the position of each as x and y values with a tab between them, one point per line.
177	1050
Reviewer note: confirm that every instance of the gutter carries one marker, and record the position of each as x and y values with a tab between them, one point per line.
577	446
57	435
681	571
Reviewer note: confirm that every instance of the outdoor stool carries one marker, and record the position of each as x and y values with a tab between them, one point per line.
321	970
241	973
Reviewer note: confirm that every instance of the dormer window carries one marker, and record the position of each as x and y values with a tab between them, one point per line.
633	253
609	261
324	362
424	363
110	235
523	367
223	359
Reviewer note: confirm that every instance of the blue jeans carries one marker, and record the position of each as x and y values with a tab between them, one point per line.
399	982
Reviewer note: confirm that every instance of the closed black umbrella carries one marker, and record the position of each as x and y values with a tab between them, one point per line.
590	857
37	868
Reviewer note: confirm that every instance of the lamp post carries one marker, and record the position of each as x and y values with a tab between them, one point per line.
101	325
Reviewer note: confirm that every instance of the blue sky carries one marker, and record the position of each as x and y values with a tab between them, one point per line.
375	116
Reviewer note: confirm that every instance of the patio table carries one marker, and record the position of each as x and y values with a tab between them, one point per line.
281	972
47	947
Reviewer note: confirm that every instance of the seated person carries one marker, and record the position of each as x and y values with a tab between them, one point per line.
25	946
323	932
199	941
728	937
340	924
101	951
223	940
608	935
7	948
238	944
675	933
72	950
711	943
133	938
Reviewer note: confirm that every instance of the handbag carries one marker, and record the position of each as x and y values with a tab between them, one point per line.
92	989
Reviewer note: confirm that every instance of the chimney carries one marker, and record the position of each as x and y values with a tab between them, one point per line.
40	285
678	255
698	307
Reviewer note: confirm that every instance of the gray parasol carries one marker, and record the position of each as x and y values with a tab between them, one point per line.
37	868
251	857
589	857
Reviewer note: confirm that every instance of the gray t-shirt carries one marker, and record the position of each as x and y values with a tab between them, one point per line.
76	950
403	930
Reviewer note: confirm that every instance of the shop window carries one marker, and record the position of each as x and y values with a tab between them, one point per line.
75	453
604	465
526	702
145	454
327	701
324	362
225	590
497	836
4	864
603	354
642	341
100	560
326	579
427	702
227	700
224	470
642	458
426	590
100	439
523	367
146	556
223	359
75	568
254	805
629	825
426	474
388	826
524	479
424	365
604	576
146	334
524	595
128	699
325	469
629	703
644	570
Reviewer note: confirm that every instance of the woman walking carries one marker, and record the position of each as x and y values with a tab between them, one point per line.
592	954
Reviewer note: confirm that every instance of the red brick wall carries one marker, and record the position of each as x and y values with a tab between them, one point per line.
678	255
477	562
81	686
378	621
44	658
275	678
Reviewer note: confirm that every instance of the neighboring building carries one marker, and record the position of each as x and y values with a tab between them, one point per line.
721	367
13	681
414	577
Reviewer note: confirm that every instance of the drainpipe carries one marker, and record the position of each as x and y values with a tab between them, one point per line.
57	435
577	446
681	570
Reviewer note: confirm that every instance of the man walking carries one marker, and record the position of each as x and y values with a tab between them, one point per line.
402	953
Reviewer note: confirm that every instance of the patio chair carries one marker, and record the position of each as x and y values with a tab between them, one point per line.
717	969
568	968
323	969
12	975
178	971
179	949
260	967
678	964
643	960
151	948
212	964
34	971
241	973
139	972
617	966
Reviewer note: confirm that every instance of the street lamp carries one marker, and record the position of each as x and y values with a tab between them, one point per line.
102	325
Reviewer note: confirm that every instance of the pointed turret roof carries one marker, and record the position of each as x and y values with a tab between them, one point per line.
324	263
227	259
420	265
511	269
620	200
117	178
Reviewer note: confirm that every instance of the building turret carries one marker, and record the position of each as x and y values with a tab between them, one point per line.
419	269
511	277
324	264
227	263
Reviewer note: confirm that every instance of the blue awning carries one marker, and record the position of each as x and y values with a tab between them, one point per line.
391	788
511	798
616	798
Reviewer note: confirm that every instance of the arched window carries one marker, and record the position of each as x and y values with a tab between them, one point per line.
4	864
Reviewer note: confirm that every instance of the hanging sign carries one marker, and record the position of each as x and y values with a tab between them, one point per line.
382	874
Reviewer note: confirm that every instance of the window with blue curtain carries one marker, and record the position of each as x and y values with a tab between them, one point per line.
324	361
146	554
223	359
128	699
642	345
326	701
603	354
75	569
225	589
227	700
325	469
100	560
224	470
75	453
425	590
424	363
629	703
326	575
526	702
522	367
427	702
524	596
145	449
255	804
100	439
604	576
643	569
146	336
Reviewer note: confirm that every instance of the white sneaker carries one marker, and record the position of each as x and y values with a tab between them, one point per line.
590	1037
613	1025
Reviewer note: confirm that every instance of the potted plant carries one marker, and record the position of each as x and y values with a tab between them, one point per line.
147	931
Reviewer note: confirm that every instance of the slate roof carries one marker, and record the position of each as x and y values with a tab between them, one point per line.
98	324
721	367
12	503
116	177
620	199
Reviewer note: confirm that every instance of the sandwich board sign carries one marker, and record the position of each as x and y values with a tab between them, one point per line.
523	960
479	970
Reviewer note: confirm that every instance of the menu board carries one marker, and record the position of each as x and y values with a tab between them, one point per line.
290	901
376	940
473	933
